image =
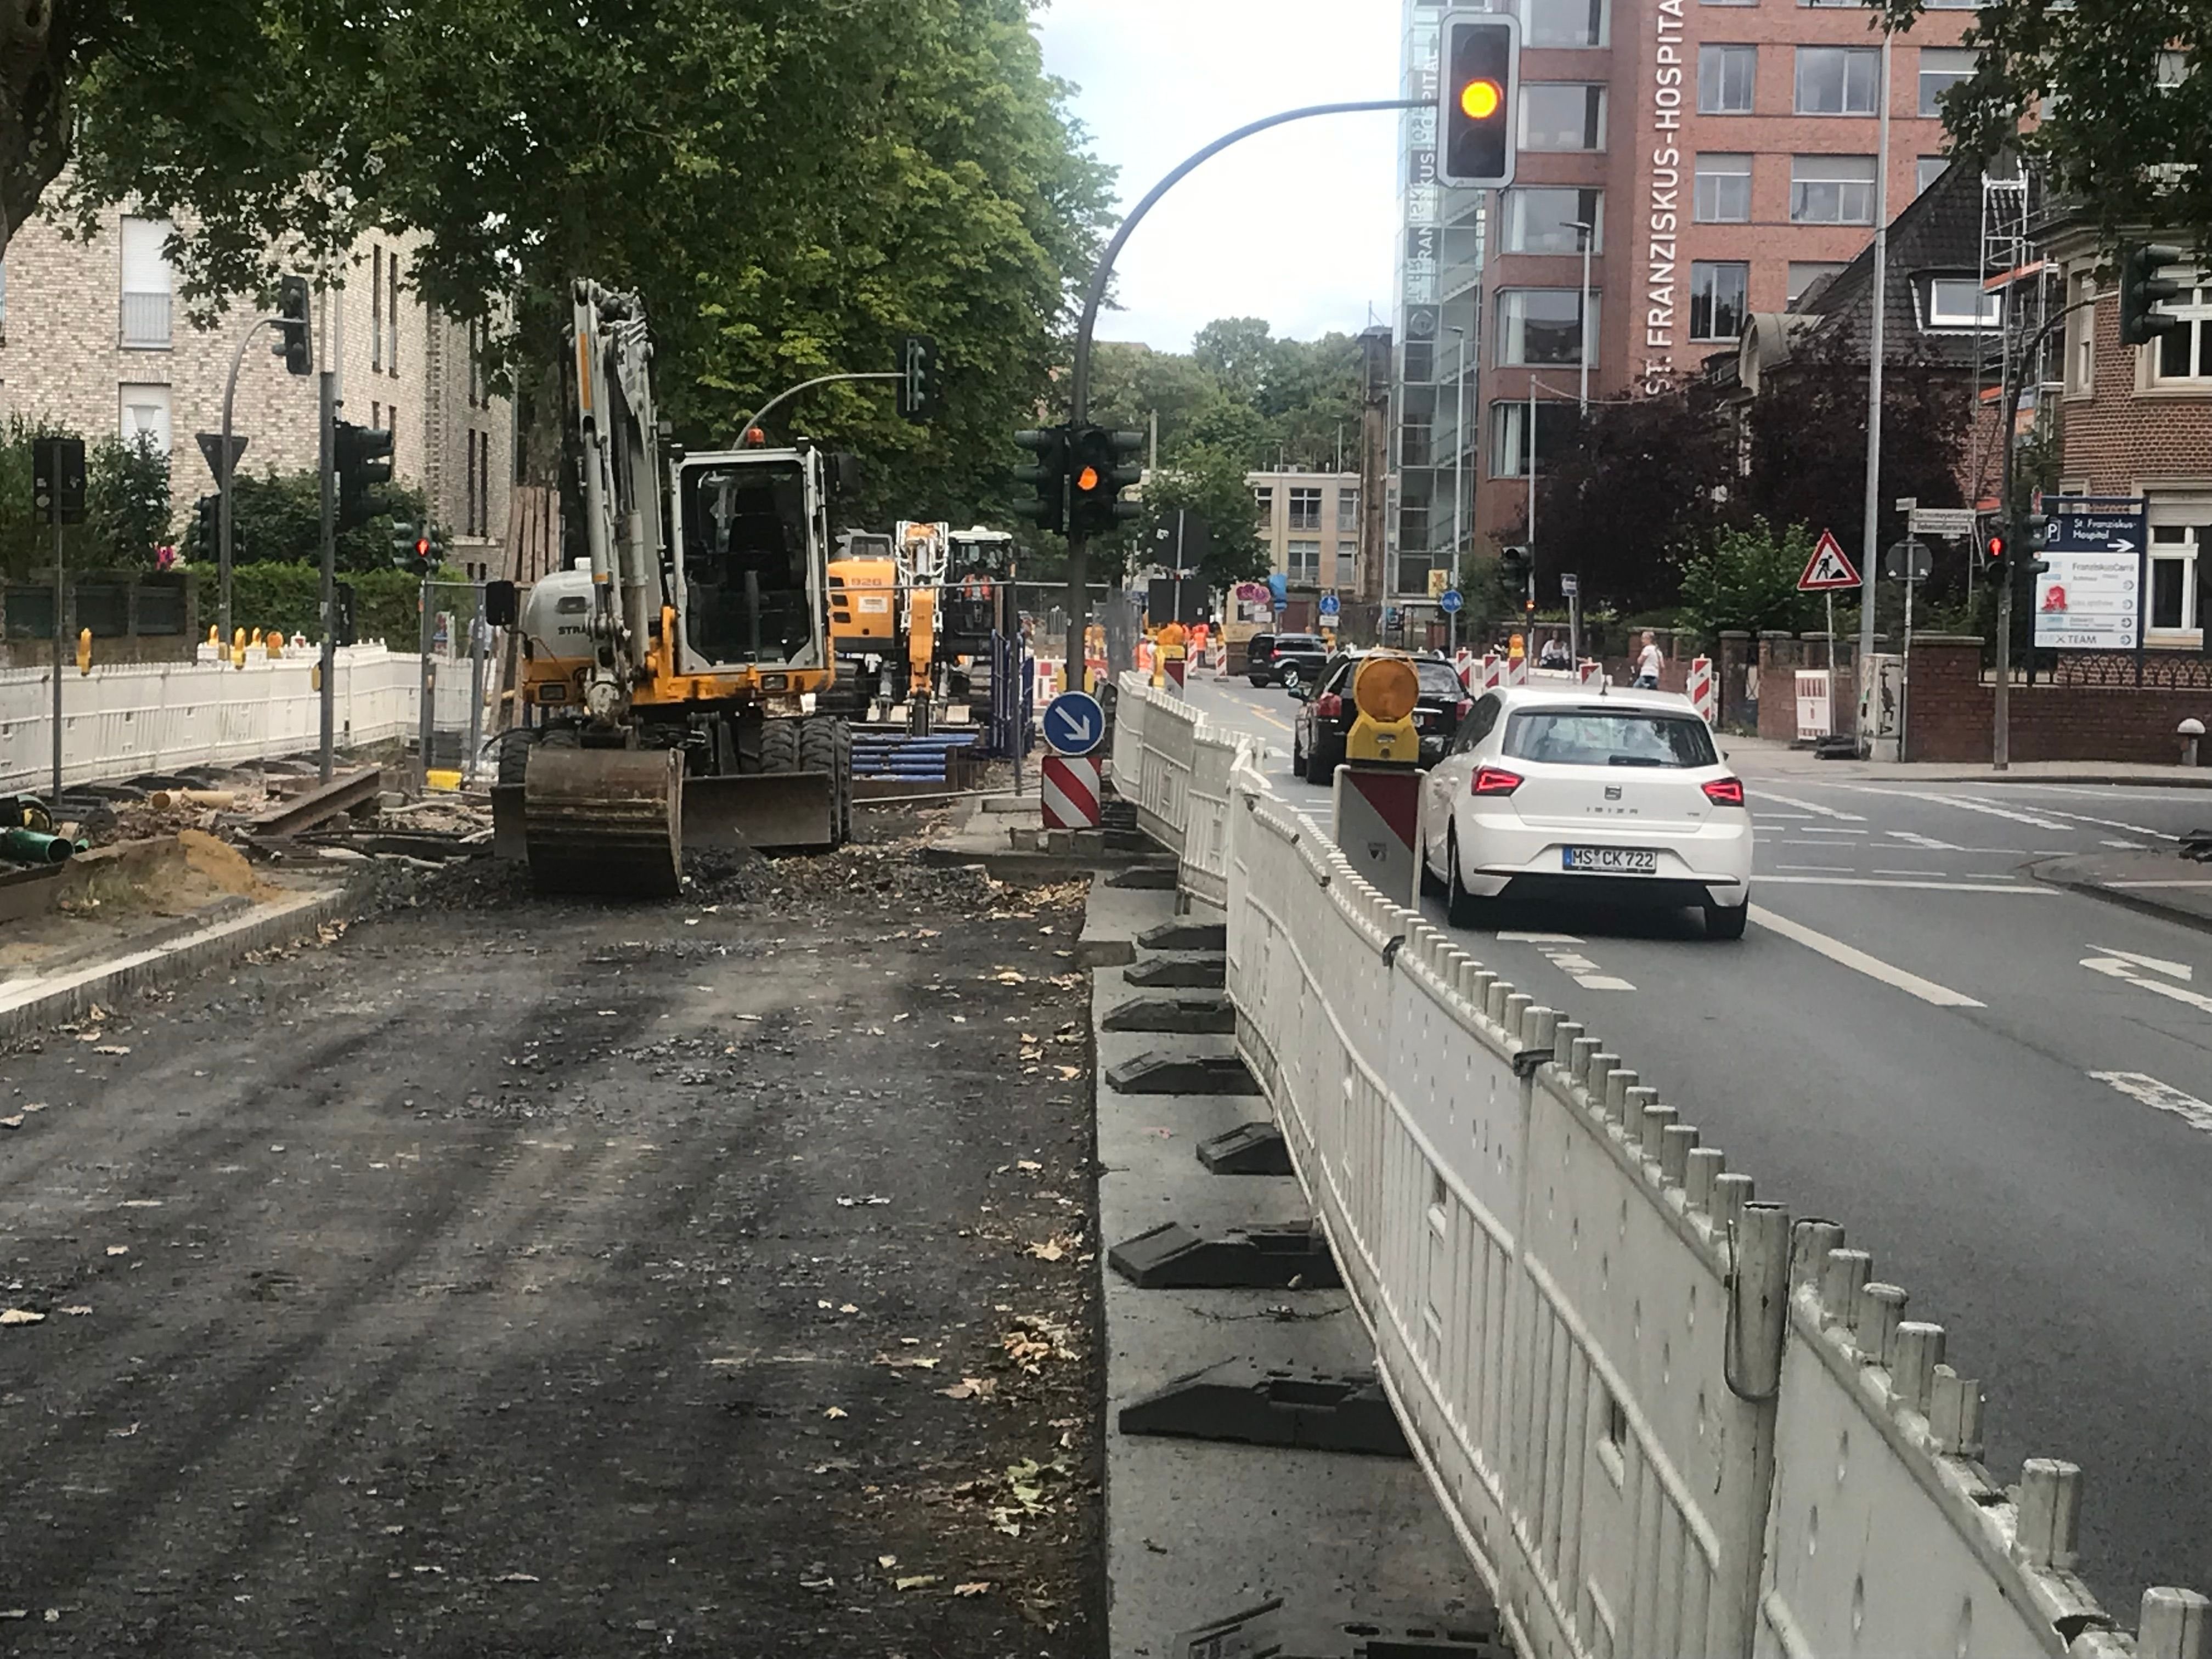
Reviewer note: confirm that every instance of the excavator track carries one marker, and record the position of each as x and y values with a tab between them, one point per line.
605	821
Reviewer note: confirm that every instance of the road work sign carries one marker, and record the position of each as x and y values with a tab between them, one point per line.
1068	790
1073	723
1377	812
1827	569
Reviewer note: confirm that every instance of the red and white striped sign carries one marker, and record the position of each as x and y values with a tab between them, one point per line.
1517	671
1589	670
1177	667
1700	686
1069	790
1493	671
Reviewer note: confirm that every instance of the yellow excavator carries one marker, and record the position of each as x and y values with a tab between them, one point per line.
669	677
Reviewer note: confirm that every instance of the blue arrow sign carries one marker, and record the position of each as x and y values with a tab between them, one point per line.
1074	724
1448	600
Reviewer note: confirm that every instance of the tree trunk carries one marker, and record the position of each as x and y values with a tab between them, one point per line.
34	130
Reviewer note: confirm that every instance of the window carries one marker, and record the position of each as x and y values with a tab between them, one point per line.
1306	509
2172	579
392	316
1544	220
1509	438
1303	561
1562	22
1562	116
1722	195
376	310
1726	79
1584	737
1720	299
1540	325
1959	302
145	318
144	409
1941	68
1927	170
1347	511
1803	273
2080	334
1837	80
1263	498
1954	5
2172	69
1831	190
2186	353
1345	576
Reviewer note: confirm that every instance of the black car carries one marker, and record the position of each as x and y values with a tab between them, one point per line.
1290	659
1324	720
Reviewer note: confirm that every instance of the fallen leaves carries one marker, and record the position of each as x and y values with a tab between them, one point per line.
971	1387
1054	1249
517	1579
21	1316
979	1587
918	1581
1034	1339
835	1413
904	1362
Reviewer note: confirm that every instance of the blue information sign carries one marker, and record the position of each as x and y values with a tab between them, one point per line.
1074	724
1328	605
1448	600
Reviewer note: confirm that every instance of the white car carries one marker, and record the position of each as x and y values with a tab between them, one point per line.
1566	792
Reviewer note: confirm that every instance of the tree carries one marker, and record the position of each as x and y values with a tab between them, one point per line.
1746	577
127	499
1208	482
277	518
2111	99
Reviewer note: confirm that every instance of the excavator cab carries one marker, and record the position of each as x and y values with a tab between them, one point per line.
747	571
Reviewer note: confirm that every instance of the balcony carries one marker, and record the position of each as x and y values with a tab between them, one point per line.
145	320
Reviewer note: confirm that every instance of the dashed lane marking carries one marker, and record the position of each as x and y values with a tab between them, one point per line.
1765	794
2160	1096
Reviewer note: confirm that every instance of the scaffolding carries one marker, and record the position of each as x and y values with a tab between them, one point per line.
2014	270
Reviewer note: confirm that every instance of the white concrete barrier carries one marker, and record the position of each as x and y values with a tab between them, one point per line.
1661	1420
124	718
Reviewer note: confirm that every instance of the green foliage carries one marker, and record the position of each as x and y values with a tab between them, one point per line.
1746	577
1270	402
127	500
1209	482
288	596
277	518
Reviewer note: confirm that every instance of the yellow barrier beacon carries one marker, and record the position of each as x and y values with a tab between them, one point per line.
1384	690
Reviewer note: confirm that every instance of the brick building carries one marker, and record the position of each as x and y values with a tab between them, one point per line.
94	337
2137	419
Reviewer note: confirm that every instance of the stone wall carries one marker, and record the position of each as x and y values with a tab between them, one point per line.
1950	713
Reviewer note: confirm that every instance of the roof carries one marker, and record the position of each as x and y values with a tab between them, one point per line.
1611	696
1940	232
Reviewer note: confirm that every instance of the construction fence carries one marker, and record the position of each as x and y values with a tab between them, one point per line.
1662	1418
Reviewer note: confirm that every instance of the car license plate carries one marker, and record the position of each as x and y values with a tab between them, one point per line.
1614	861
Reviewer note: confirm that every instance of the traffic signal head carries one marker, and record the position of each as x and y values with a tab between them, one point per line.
2141	290
207	525
403	537
1102	470
918	388
2035	533
1480	61
293	343
1047	475
362	456
1514	562
1989	544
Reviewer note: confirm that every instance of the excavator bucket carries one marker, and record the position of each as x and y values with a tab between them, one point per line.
604	821
761	809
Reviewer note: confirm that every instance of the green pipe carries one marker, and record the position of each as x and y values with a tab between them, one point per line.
29	847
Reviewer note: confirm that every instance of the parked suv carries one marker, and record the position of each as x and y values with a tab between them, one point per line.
1291	660
1257	650
1324	718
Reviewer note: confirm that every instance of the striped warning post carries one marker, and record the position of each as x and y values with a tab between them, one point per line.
1517	671
1700	686
1493	671
1589	670
1069	789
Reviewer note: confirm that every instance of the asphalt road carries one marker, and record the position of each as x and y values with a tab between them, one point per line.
1999	1087
508	1280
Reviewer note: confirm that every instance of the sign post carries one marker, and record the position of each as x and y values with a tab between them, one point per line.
1826	571
1571	590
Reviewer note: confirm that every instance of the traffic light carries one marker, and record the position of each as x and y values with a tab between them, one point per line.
2141	288
294	344
207	525
2034	537
1098	473
363	456
1047	475
345	628
403	540
1514	564
918	388
58	480
1990	538
1481	61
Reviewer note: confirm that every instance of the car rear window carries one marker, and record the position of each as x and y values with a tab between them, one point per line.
1299	642
1437	680
1609	737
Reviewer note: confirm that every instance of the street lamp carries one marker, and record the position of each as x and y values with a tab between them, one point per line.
1588	233
1459	471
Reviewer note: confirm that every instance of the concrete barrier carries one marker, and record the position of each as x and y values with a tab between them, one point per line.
1661	1420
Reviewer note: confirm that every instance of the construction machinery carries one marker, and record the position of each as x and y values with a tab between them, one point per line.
977	602
668	675
911	616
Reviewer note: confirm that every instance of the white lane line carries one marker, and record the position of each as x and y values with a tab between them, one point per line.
2162	884
2112	967
1968	804
1910	873
1820	869
1762	792
2160	1096
1859	962
1537	939
2172	970
1828	830
2037	889
2124	845
1926	843
2102	823
1985	875
1558	949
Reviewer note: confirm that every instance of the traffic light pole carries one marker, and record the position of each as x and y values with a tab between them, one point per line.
329	677
1078	542
789	392
222	482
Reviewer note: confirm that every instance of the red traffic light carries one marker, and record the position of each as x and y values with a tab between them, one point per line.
1993	548
1087	479
422	547
1481	100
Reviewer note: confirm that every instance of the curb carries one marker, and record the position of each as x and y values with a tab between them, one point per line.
2125	899
45	1003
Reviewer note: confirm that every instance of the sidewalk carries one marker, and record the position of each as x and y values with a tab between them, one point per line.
2158	884
1764	757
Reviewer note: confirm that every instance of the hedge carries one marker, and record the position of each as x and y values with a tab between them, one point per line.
288	597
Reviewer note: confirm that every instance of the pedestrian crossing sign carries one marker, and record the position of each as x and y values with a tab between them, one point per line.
1827	569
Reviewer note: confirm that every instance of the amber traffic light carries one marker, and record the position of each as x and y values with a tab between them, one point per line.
1481	54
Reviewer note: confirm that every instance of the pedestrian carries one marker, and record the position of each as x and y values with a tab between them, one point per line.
1554	654
1648	662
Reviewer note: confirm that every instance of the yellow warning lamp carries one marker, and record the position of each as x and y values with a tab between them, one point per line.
1384	690
215	635
84	651
1087	479
1478	99
274	643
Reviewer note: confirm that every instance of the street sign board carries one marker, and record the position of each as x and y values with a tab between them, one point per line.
1329	606
1907	561
1449	601
2091	598
1571	585
1827	569
1941	521
1073	723
1438	580
211	447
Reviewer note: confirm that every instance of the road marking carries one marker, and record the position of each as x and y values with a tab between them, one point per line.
1986	875
2107	823
2124	845
1909	872
1820	869
1968	804
2119	968
1765	794
1859	962
1828	830
1926	843
2163	884
1537	939
2180	970
1933	886
1558	949
2160	1096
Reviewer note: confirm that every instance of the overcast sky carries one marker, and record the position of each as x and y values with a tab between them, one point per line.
1294	225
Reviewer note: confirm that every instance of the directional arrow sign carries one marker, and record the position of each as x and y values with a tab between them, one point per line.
1073	723
1827	569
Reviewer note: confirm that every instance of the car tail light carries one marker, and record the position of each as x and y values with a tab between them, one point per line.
1328	707
1725	791
1495	780
1465	708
